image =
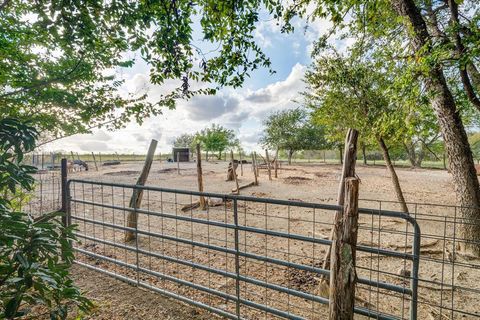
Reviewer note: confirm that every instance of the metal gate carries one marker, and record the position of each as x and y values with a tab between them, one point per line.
242	257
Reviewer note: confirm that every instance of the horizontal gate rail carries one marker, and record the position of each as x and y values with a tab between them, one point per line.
237	253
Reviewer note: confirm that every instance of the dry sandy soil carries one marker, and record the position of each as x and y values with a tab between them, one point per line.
304	183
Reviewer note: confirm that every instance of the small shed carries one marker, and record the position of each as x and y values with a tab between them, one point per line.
181	154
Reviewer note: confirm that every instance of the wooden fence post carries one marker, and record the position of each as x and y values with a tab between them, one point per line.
342	272
276	163
254	166
136	199
241	162
203	204
234	169
268	165
347	172
95	161
73	157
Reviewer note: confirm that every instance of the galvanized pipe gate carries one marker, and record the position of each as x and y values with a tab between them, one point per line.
243	257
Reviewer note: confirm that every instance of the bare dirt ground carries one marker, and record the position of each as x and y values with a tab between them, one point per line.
316	183
114	299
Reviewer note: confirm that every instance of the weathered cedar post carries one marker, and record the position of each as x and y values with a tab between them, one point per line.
234	169
347	172
43	160
95	161
342	272
136	199
276	163
254	166
100	157
268	165
241	162
203	204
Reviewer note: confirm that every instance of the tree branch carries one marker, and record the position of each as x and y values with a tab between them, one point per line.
43	83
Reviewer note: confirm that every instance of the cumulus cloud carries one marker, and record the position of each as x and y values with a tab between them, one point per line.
94	146
140	137
204	108
260	96
101	135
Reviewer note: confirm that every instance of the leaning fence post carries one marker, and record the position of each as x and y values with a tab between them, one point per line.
95	161
137	194
342	272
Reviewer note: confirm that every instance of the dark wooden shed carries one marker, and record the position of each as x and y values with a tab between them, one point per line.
182	154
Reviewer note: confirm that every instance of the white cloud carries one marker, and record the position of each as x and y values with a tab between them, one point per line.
242	110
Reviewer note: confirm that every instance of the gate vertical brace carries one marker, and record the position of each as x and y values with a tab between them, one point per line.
237	256
136	238
415	266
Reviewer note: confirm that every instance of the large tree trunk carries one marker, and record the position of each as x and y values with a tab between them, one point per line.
456	144
364	153
412	157
290	155
393	174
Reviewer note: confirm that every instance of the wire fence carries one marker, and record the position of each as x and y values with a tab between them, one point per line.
243	257
46	196
449	277
174	246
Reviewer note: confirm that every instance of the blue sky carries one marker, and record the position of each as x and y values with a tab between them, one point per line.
241	110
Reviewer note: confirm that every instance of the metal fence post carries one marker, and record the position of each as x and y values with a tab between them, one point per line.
237	257
136	237
64	208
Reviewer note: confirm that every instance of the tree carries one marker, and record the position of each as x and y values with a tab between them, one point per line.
291	130
62	63
185	140
217	139
438	43
35	254
351	93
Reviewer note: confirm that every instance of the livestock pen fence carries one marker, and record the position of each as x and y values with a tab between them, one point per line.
262	258
245	258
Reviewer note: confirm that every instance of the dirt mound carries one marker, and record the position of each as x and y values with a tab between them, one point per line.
122	173
296	180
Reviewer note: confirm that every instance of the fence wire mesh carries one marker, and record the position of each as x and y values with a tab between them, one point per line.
449	277
243	257
46	196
